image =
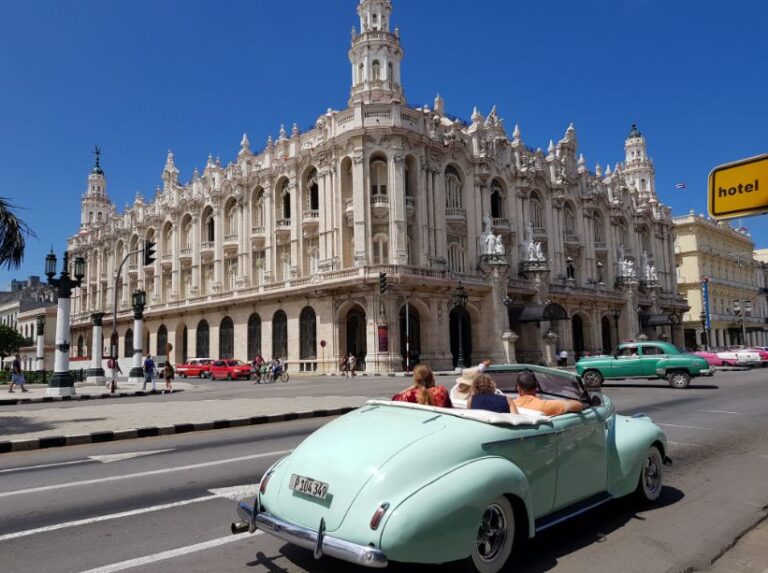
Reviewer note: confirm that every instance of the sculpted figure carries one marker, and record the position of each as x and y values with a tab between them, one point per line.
499	248
489	244
487	223
539	252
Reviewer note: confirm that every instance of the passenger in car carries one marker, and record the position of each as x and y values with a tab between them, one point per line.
424	390
527	389
484	397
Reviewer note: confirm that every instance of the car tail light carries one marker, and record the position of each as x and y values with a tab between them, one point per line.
378	514
264	482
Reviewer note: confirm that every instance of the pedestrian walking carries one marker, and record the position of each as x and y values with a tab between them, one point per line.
168	374
352	364
562	358
149	374
344	366
113	364
17	376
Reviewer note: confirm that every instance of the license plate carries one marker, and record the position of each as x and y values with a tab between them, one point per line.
308	486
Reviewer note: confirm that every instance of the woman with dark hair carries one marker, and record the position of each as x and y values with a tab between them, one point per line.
484	397
424	390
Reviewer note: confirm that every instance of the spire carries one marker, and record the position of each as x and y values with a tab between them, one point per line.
516	133
634	132
97	168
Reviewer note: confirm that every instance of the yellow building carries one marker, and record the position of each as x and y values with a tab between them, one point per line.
724	258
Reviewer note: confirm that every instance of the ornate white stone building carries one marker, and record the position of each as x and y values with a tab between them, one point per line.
280	251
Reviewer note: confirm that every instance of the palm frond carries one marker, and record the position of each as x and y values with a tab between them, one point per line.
13	233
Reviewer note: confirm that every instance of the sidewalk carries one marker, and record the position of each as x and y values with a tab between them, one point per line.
31	429
748	555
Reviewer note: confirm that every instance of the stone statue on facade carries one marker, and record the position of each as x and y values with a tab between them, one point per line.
489	244
653	275
499	248
487	223
539	252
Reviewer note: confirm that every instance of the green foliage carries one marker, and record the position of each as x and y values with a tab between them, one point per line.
13	233
10	341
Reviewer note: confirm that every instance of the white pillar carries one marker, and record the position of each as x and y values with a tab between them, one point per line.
136	375
96	372
62	383
40	356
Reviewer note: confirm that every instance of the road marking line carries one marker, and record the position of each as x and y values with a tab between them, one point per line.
42	466
141	474
684	444
238	492
677	426
122	565
109	458
99	518
723	412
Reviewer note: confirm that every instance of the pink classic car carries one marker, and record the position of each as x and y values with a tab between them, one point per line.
711	357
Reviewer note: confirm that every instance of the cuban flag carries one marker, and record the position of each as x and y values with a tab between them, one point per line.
681	185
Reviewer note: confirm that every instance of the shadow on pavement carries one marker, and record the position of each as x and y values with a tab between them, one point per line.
14	425
538	555
660	386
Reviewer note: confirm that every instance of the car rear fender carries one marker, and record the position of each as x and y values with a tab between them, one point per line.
439	522
629	439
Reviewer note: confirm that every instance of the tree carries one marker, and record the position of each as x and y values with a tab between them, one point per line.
13	233
10	342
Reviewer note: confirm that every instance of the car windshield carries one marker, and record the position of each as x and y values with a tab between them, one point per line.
556	384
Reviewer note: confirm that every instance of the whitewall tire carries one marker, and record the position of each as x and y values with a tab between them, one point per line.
495	537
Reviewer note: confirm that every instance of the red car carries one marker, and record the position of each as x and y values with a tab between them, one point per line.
230	370
195	368
711	357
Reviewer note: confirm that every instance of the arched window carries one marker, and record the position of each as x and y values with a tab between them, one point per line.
202	346
128	344
90	217
537	211
599	228
186	233
360	73
168	240
227	338
257	208
162	341
453	195
232	219
98	215
280	335
209	227
308	334
285	201
254	336
313	192
456	254
497	202
645	239
390	72
378	177
376	66
80	347
380	252
569	222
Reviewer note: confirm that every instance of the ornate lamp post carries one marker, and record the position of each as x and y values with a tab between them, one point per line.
139	300
40	357
704	337
460	302
63	383
616	313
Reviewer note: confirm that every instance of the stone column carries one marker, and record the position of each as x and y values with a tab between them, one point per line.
40	356
175	264
509	339
95	374
397	214
359	202
136	375
62	383
197	273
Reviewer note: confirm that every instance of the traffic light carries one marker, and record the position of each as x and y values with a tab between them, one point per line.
382	283
150	248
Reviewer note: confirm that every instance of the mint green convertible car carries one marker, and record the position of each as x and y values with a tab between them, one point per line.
648	359
397	482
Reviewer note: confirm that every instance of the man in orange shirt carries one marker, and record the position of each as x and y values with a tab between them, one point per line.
526	388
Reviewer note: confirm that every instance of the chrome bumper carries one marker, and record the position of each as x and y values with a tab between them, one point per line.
308	539
706	371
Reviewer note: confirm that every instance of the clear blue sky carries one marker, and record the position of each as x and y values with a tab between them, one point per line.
140	77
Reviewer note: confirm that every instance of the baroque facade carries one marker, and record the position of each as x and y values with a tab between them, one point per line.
280	251
724	258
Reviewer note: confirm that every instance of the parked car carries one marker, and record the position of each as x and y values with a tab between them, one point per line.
230	370
409	483
195	368
648	359
739	357
711	357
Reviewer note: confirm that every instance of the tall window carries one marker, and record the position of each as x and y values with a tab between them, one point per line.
257	208
280	335
380	249
162	341
254	336
378	177
537	211
376	70
168	240
210	229
497	202
360	73
569	221
232	218
456	254
285	201
186	233
599	228
202	346
231	266
128	344
227	338
453	199
313	192
623	236
308	334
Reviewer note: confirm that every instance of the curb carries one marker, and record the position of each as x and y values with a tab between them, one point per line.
103	396
152	431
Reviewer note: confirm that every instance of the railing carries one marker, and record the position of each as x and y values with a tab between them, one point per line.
133	267
185	252
207	246
283	223
231	238
600	245
311	215
409	116
571	238
500	223
379	200
455	213
167	257
259	230
374	35
345	117
410	202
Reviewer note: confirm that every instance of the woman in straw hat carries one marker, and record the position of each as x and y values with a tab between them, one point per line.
424	390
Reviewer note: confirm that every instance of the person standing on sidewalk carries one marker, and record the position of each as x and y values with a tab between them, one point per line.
112	364
149	374
17	376
344	366
168	374
352	364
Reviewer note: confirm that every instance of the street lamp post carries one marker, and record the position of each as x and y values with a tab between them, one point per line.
460	302
704	334
139	300
40	348
63	383
616	313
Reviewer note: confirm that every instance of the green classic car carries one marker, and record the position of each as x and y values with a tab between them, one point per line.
648	359
399	482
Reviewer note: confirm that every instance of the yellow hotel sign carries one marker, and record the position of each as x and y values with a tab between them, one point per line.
739	189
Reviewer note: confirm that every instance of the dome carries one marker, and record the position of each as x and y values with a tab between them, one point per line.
634	132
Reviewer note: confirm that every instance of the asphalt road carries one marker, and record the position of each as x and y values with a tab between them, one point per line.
69	510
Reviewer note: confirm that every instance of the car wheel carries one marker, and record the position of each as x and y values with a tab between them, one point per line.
229	377
651	476
679	379
592	379
495	537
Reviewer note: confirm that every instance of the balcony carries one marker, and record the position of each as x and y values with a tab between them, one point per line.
311	218
571	239
456	215
185	254
207	246
231	242
410	206
500	224
166	260
133	268
283	228
601	246
379	205
258	235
